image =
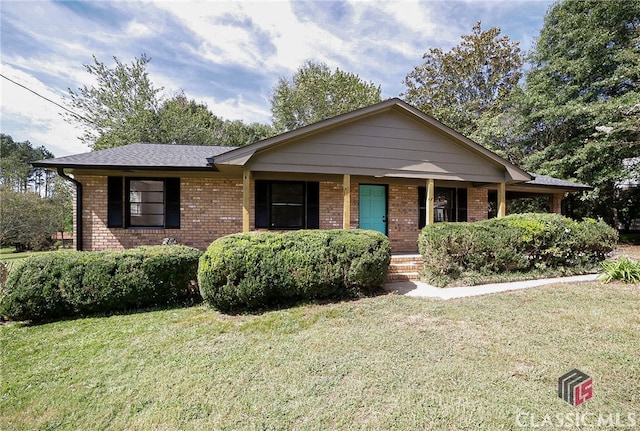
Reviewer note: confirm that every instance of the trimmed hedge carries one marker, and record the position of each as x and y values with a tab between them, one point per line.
516	243
258	270
65	284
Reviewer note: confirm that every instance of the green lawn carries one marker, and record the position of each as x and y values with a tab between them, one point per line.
8	254
381	363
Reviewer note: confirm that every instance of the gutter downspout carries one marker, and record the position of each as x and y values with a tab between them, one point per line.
78	207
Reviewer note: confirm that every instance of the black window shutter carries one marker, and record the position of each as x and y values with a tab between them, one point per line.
172	203
262	204
422	207
313	205
462	204
115	202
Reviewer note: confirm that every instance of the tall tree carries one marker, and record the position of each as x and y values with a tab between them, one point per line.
237	133
120	109
15	169
27	220
315	93
471	82
124	107
583	99
184	121
34	202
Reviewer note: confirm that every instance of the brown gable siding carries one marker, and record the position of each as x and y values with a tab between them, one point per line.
388	144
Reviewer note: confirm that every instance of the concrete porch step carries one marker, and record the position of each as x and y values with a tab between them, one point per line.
398	268
399	278
404	267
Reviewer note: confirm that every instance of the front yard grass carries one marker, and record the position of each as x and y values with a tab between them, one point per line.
387	362
8	254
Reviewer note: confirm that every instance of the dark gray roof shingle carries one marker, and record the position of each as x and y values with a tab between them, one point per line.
543	180
141	155
194	157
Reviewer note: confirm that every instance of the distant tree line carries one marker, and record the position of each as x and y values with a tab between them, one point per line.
34	203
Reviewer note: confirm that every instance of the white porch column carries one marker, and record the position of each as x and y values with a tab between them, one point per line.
430	199
246	200
346	201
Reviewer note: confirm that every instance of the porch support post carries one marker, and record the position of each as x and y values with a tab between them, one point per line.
430	198
346	201
246	199
502	200
555	203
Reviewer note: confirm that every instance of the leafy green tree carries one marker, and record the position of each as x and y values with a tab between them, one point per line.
35	202
237	133
582	103
27	220
314	93
61	193
120	109
471	84
183	121
124	107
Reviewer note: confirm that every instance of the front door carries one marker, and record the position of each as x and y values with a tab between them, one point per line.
373	208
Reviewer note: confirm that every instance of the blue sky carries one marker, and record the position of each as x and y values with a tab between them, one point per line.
226	54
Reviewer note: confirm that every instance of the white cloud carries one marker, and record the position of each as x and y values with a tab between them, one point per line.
27	116
240	33
238	109
44	45
137	29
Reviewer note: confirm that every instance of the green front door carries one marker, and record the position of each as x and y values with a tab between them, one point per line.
373	208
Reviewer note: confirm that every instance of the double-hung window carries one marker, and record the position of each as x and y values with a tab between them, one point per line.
143	202
287	204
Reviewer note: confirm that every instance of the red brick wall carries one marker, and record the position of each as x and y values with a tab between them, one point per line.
211	208
477	204
331	202
403	218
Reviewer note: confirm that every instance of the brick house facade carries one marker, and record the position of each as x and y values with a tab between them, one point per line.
199	226
387	167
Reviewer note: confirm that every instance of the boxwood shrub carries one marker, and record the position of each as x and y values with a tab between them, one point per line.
68	283
259	270
516	243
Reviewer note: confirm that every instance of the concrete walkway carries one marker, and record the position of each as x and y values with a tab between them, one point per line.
424	290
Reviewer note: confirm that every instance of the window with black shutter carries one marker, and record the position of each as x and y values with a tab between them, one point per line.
115	202
143	202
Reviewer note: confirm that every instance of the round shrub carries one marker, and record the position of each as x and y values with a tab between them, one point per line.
516	243
65	284
257	270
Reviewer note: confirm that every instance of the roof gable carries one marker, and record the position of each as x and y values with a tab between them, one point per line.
390	139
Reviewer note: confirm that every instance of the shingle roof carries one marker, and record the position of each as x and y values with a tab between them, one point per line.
141	155
194	157
543	180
